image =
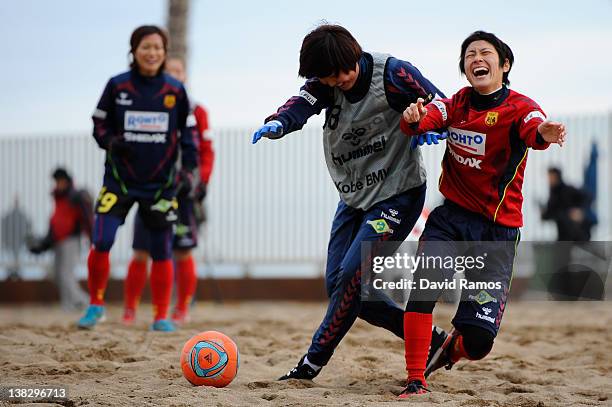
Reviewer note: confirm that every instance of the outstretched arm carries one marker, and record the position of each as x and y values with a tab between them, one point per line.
313	97
552	132
537	131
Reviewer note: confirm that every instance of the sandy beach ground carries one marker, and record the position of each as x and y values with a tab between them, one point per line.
547	354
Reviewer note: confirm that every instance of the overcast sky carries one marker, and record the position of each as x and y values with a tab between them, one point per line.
59	54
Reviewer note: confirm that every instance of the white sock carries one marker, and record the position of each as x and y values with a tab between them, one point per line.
309	363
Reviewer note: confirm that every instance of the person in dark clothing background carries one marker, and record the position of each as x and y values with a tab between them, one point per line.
15	226
71	217
566	207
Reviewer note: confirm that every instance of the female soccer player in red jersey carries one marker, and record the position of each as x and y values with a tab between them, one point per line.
490	130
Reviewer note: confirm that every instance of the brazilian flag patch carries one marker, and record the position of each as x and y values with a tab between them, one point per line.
484	297
380	226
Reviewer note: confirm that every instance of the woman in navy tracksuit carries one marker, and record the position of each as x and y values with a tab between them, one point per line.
142	120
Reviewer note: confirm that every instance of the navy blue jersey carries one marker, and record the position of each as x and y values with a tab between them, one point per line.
404	84
152	115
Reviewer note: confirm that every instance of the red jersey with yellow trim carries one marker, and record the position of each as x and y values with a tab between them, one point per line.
486	150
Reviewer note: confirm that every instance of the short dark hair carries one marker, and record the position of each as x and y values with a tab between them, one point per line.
61	173
137	36
328	50
556	171
503	50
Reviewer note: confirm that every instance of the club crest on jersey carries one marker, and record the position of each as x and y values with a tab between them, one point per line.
491	118
170	101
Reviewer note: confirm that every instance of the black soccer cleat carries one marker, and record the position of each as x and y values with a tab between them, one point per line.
439	350
413	388
301	371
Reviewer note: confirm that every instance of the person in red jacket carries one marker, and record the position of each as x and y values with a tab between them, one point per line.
190	216
490	131
71	217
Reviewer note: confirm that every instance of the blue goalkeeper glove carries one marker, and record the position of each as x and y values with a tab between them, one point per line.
273	130
430	137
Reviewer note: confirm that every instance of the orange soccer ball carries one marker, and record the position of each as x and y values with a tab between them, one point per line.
210	359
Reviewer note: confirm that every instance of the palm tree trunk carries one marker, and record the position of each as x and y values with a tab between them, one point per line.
178	11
